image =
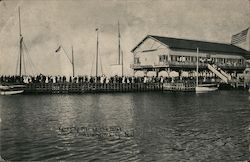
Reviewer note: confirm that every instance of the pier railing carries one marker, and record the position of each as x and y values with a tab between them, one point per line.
188	65
91	87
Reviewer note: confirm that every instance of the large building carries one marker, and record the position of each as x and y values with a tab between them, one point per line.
157	53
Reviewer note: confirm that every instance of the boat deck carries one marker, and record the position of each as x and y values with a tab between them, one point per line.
179	87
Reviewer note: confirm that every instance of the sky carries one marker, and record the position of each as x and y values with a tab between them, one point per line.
48	24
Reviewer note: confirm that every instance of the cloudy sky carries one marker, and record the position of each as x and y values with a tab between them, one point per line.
46	24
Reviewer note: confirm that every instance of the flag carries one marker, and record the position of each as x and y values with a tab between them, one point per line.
58	49
240	37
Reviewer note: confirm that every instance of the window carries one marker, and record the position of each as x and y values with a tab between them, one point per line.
163	58
160	58
182	59
174	58
192	59
137	60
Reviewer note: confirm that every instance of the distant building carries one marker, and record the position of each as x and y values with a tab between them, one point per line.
156	53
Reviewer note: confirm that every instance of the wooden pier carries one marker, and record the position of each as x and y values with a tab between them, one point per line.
81	88
55	88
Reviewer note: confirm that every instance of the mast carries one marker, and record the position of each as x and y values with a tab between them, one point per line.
119	45
20	43
73	64
197	68
97	44
122	62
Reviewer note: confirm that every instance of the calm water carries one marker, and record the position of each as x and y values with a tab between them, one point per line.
126	127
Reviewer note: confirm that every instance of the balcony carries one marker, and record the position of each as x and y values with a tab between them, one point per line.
188	65
139	66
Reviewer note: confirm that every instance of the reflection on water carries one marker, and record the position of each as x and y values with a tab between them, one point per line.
126	126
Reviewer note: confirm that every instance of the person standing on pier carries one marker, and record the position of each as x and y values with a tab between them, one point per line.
145	79
102	79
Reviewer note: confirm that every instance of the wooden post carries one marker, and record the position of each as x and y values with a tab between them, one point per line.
157	72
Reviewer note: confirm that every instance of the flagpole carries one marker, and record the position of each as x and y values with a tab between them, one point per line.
97	44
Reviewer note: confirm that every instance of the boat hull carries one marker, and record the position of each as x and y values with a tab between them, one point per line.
205	89
11	92
11	89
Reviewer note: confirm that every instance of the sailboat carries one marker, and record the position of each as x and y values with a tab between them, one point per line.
10	89
203	88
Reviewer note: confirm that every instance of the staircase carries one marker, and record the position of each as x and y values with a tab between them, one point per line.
220	73
226	75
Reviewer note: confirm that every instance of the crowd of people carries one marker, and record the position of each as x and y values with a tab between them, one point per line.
88	79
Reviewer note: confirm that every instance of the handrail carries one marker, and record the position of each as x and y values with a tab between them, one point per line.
178	63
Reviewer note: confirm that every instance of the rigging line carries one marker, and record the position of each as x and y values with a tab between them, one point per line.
67	55
122	61
17	63
29	60
30	63
17	66
25	47
101	62
92	66
24	66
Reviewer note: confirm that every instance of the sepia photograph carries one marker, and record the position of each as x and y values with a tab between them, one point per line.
125	80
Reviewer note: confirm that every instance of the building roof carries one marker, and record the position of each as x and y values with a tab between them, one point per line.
186	44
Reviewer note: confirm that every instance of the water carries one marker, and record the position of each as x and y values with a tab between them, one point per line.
126	127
